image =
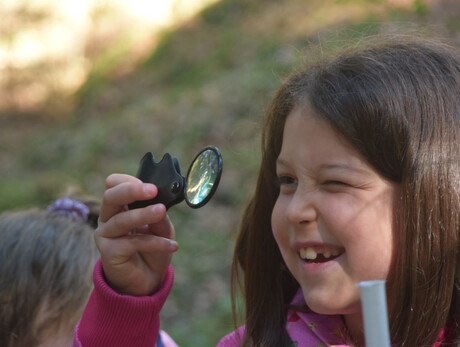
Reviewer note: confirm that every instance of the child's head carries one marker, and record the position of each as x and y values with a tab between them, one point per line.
394	109
46	262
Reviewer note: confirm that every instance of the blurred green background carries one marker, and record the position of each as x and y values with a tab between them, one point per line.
122	85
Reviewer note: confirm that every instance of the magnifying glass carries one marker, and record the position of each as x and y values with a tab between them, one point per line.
197	187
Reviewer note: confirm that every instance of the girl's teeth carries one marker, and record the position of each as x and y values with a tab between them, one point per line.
303	253
310	254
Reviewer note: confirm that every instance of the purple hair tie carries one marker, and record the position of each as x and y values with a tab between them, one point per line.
70	208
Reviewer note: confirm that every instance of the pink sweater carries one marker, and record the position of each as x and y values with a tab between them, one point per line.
114	320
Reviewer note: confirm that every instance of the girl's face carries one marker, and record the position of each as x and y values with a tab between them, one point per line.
333	217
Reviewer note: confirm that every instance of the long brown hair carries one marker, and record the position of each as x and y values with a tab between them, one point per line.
46	263
398	104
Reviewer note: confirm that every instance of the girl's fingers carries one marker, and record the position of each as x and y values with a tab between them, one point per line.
127	246
124	193
164	227
118	251
116	179
143	243
123	222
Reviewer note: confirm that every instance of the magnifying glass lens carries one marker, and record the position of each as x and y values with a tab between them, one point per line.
202	177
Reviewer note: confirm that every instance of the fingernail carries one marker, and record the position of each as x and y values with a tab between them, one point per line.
156	208
173	244
148	188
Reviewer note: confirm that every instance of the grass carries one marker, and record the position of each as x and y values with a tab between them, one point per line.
208	82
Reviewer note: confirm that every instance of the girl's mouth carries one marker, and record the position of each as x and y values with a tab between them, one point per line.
320	254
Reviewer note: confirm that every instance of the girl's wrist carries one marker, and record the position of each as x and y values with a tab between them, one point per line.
103	284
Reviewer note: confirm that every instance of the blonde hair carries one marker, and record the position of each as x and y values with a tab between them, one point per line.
46	262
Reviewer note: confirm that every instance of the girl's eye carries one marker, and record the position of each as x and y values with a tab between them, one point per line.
336	183
331	184
286	180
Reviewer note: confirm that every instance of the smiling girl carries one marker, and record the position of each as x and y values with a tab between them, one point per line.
366	152
359	180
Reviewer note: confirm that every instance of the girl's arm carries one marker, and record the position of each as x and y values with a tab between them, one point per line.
115	320
134	277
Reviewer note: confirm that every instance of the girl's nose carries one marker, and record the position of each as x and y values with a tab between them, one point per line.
302	208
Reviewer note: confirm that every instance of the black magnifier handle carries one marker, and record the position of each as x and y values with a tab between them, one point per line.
166	175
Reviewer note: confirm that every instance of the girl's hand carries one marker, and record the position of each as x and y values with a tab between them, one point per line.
136	246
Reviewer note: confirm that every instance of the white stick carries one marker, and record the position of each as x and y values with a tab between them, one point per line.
374	306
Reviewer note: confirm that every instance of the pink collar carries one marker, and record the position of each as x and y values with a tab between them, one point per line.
311	329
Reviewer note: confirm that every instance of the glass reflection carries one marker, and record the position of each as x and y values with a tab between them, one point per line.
202	177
